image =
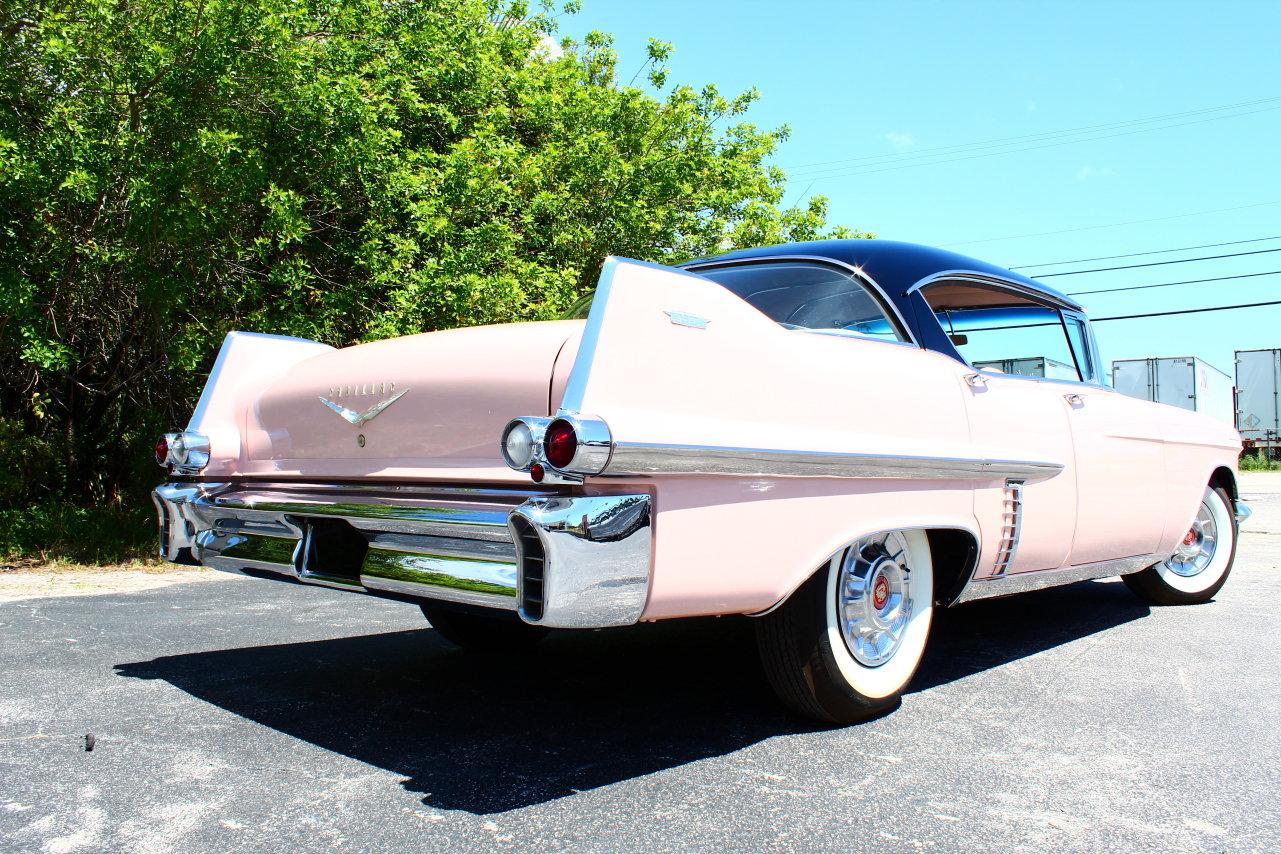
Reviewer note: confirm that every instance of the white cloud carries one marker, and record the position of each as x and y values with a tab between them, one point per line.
1085	173
548	48
900	140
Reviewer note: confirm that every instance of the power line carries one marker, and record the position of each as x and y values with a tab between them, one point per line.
894	167
1129	316
1172	284
1029	137
1159	263
1185	311
1116	224
1150	252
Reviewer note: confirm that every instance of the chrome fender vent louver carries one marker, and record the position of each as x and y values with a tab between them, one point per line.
1011	522
531	559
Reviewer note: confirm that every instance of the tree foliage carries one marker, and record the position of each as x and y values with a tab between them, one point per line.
335	169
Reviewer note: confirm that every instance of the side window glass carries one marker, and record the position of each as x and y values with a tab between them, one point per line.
804	295
1005	333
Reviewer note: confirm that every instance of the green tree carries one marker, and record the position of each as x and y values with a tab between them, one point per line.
335	169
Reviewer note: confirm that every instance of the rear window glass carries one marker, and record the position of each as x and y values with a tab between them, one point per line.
801	295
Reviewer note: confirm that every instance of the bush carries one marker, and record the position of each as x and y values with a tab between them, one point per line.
110	534
1258	462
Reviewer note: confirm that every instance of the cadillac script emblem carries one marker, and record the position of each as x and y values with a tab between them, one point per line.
353	417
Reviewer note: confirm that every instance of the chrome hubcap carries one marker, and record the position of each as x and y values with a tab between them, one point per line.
873	597
1197	549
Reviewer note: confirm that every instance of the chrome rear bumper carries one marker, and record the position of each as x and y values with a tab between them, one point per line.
560	561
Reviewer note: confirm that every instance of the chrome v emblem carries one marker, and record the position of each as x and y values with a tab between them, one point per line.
358	418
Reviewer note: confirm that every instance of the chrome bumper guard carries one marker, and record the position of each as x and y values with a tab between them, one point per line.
558	561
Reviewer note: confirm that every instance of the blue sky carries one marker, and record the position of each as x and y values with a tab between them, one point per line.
880	85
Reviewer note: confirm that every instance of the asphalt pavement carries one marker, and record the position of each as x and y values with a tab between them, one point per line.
264	716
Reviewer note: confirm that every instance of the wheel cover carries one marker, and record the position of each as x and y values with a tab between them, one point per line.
873	597
1196	551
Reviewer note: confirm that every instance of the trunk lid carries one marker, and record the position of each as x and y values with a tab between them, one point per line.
433	401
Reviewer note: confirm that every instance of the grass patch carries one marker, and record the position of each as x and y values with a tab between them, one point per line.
1258	462
64	534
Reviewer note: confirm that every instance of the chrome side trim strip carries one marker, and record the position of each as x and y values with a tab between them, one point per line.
631	458
1023	582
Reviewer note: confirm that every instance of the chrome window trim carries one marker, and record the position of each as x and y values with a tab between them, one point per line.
878	293
643	458
998	282
1022	290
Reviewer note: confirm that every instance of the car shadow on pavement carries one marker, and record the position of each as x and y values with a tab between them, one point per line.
491	733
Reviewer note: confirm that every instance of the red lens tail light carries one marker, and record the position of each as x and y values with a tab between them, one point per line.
560	443
162	451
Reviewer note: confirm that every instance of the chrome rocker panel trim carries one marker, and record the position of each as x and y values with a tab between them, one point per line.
1242	512
1024	582
437	543
632	458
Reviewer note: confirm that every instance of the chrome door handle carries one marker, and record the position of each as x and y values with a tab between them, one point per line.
1074	399
976	380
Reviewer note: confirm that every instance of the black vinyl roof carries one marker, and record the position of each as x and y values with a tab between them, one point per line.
893	265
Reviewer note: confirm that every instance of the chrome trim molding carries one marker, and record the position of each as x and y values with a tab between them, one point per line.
1056	300
596	553
1011	525
595	445
630	458
1024	582
878	293
1242	512
684	318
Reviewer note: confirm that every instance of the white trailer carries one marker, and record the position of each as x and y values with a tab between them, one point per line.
1259	397
1030	366
1183	381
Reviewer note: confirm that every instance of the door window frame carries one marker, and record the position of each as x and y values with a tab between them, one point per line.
1065	310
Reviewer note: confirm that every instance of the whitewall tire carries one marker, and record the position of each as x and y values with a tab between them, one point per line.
846	644
1200	565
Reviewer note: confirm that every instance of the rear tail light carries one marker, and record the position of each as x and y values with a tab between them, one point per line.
162	451
186	452
518	445
564	449
560	443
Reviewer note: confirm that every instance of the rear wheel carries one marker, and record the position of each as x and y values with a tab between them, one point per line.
481	633
1200	565
845	645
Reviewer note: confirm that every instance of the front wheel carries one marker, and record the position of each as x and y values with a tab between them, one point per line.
1201	563
845	645
481	633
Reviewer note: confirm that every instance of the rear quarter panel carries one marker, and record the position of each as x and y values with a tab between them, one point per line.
728	544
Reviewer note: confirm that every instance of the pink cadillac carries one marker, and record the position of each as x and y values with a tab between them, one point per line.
834	438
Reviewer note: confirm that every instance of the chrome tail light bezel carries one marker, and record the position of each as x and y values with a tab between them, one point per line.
188	452
595	445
